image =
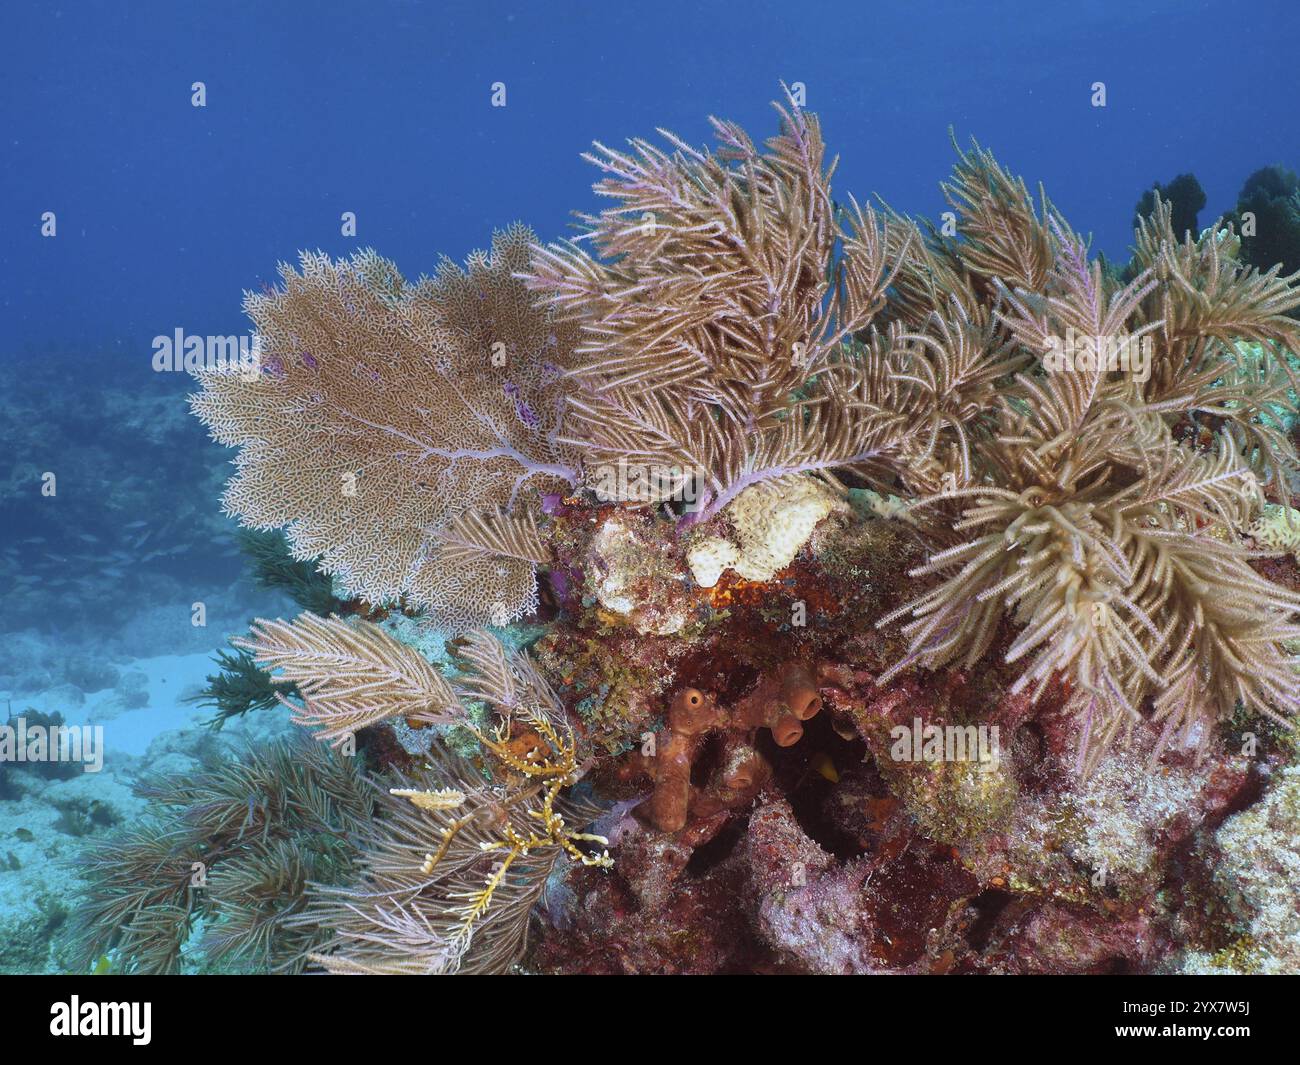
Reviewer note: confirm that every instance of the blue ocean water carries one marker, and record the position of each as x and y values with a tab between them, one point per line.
163	212
167	211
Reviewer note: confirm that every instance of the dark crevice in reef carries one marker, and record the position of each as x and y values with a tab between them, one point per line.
812	795
712	854
812	812
989	906
708	761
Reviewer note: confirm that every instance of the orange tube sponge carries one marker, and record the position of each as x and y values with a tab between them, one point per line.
691	715
786	730
672	795
780	701
799	691
741	776
789	693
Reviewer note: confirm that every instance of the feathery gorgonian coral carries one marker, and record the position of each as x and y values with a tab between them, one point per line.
403	432
713	307
454	870
1117	549
349	676
929	366
230	850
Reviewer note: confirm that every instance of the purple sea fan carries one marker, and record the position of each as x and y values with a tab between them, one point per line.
526	415
354	356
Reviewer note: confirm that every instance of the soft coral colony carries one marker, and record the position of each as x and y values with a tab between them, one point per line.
794	471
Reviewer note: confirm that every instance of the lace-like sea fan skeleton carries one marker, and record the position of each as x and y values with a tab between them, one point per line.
403	433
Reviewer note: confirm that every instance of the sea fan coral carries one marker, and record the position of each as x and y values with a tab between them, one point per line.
403	433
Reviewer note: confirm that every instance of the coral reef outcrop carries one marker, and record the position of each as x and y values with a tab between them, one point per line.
904	609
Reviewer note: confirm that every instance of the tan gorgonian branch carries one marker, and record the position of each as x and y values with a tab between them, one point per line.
461	853
351	675
472	535
1004	236
715	305
1117	552
715	275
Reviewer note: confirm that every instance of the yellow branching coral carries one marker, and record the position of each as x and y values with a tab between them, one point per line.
463	851
403	433
541	768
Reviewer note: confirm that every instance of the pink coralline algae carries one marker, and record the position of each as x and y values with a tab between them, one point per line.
861	845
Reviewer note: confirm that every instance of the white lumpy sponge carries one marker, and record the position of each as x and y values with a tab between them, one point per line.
772	522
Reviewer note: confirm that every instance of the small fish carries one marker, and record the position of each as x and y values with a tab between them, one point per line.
24	834
824	766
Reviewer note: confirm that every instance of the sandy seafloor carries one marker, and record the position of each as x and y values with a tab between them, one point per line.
98	586
148	727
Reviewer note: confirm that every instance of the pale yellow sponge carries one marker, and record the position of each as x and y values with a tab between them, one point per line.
772	522
709	557
1279	528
